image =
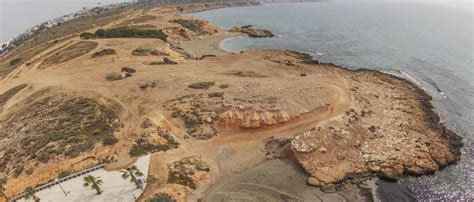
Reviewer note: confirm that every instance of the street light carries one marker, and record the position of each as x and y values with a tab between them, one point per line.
65	193
59	183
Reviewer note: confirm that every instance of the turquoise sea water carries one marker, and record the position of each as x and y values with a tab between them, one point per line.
431	45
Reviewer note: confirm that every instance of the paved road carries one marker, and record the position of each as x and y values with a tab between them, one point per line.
115	187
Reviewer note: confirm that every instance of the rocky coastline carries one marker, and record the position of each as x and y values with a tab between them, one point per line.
342	126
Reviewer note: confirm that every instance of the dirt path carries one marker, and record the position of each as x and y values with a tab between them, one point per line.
235	150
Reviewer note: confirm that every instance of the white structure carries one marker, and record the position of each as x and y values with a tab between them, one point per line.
114	187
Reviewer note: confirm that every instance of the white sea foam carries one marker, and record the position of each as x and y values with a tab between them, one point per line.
410	78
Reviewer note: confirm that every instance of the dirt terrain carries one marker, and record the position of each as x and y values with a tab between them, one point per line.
206	115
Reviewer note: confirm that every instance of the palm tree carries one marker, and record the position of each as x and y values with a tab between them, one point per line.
131	172
2	192
93	182
30	192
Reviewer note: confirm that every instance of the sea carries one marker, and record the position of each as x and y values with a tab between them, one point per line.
430	44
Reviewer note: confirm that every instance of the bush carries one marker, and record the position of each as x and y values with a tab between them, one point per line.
162	197
29	171
43	157
156	63
88	35
107	51
72	152
130	32
216	94
201	85
110	140
64	173
128	70
113	76
168	61
142	148
193	25
15	61
224	86
18	171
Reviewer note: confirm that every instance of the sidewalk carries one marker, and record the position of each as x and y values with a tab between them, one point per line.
115	187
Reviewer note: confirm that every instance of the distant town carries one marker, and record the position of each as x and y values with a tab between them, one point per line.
15	41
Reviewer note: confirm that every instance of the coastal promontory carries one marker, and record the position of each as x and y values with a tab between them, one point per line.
147	80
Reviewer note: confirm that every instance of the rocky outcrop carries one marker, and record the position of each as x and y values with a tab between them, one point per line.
371	139
255	33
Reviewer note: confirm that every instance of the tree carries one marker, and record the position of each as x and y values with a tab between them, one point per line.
131	172
30	192
2	192
93	182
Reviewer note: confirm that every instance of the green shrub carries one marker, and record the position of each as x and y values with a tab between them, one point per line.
29	171
130	32
109	140
113	76
201	85
107	51
224	86
43	157
156	63
142	148
216	94
64	173
18	171
162	197
88	35
15	61
193	25
72	152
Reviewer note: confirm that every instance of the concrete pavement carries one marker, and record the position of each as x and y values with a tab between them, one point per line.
114	187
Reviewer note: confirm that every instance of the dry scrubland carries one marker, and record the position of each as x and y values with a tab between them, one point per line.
70	100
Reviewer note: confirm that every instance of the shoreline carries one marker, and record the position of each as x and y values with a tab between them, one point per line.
432	115
213	46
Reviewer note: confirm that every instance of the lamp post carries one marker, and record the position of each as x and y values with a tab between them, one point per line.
59	183
65	193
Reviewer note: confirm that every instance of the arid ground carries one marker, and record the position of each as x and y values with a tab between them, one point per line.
208	117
